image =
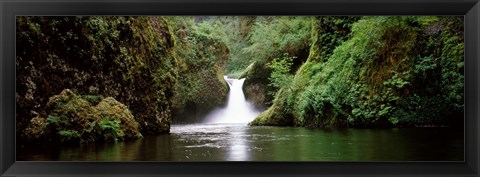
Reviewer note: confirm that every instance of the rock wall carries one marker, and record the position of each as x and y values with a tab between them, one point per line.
202	59
130	59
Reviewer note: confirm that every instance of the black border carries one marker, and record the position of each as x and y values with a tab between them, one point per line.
10	8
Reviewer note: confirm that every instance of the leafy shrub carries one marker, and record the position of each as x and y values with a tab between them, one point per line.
110	129
280	76
69	135
389	71
202	56
109	120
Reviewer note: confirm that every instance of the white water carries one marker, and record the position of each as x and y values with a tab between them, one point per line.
238	109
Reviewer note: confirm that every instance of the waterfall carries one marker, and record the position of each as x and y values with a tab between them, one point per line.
238	110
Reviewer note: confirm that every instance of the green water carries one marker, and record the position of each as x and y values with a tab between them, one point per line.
238	142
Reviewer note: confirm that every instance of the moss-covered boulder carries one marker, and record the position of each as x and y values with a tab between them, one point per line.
274	116
37	129
71	118
111	109
255	87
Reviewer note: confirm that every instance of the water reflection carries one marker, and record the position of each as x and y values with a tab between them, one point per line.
239	145
238	142
153	148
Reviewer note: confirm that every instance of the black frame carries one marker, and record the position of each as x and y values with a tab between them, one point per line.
11	8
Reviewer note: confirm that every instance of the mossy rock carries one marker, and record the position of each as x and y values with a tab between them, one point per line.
256	86
114	110
37	129
73	119
128	58
201	87
69	112
273	117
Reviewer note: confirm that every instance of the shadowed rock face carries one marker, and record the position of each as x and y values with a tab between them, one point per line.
256	85
73	118
200	87
127	58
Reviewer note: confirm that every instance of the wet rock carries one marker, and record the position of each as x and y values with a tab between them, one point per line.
114	110
134	63
37	129
71	118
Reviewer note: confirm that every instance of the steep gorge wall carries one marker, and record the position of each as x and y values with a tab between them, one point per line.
202	59
128	58
272	38
389	71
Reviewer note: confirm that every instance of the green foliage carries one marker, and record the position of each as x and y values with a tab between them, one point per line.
270	38
234	31
129	58
360	72
249	40
280	76
331	32
107	124
452	57
396	81
53	119
111	128
212	30
93	99
69	135
256	86
279	114
236	74
389	71
427	20
202	56
312	97
273	36
107	121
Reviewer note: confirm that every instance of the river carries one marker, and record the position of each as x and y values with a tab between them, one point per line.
239	142
225	136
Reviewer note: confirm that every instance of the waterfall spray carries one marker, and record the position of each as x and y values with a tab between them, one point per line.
238	109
